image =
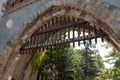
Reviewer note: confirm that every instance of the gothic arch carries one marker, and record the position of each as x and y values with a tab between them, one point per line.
90	11
67	11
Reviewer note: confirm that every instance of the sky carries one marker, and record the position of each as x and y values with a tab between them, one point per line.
103	52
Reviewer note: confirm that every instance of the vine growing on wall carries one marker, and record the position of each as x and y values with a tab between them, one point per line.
37	60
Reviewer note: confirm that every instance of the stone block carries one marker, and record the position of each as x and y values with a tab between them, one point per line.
112	14
115	25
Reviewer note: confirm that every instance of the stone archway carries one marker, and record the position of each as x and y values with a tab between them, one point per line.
108	20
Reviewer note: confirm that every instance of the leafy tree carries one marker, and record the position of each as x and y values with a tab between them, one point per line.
114	72
91	63
114	59
67	64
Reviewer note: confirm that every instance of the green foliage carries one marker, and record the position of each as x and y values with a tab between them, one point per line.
67	64
114	72
116	68
37	61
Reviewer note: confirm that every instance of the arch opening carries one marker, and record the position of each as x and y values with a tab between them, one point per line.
53	33
83	13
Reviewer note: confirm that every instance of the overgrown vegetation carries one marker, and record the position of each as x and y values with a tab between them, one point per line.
67	64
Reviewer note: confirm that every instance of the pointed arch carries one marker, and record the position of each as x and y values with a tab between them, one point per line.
103	15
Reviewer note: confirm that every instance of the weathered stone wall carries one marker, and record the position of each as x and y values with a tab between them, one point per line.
18	25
